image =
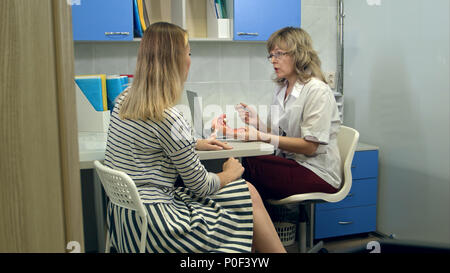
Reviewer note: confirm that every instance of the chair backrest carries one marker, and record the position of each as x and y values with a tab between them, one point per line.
347	142
347	139
120	188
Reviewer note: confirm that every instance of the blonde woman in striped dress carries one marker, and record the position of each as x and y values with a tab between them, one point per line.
152	142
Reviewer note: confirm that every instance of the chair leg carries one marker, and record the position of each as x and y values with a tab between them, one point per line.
311	225
302	229
108	243
144	229
316	248
302	237
319	246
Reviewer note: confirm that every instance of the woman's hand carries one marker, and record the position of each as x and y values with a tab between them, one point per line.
232	170
251	134
247	114
211	144
233	165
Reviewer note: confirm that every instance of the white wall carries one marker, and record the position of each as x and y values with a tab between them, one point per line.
396	88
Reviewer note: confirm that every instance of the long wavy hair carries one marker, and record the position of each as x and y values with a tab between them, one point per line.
298	44
160	73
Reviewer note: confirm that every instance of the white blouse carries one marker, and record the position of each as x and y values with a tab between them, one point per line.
310	112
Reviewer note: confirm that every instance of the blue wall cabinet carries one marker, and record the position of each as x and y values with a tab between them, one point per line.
103	20
256	20
357	212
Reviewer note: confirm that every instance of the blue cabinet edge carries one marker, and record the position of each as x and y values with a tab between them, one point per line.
103	20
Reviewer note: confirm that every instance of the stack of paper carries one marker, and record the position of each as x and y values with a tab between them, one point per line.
114	86
147	12
94	88
220	8
141	21
101	90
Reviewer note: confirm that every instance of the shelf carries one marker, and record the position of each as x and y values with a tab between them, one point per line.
199	40
212	40
198	17
224	40
192	40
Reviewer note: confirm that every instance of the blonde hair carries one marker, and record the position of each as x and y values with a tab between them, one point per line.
297	43
160	73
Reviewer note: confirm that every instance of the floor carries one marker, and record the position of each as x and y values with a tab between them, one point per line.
342	244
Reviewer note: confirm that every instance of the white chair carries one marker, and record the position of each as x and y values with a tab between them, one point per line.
347	139
122	191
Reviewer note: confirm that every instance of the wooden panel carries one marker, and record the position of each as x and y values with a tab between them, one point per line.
196	18
31	150
68	132
158	10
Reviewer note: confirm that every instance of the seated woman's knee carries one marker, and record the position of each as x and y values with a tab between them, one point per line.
256	198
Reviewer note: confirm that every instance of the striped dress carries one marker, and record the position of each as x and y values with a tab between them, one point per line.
199	217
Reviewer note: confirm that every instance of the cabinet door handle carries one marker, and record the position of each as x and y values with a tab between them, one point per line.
345	223
116	33
248	33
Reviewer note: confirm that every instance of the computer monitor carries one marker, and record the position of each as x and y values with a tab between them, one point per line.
195	105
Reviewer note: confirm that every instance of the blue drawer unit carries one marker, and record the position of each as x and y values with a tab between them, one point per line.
365	164
361	194
357	212
256	20
346	221
103	20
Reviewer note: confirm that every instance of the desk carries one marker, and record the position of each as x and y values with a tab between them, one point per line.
92	147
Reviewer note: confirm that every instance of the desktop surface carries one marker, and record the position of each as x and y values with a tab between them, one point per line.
92	147
240	149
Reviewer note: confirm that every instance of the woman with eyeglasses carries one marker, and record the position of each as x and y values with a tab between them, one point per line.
150	140
302	124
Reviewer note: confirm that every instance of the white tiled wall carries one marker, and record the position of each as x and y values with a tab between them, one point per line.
319	19
223	73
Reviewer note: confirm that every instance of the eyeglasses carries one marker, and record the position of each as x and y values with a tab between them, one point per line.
277	55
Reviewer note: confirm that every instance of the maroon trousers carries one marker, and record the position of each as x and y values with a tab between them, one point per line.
275	177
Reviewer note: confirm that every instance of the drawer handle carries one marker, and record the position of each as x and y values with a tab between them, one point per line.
350	195
353	166
116	33
345	223
248	33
